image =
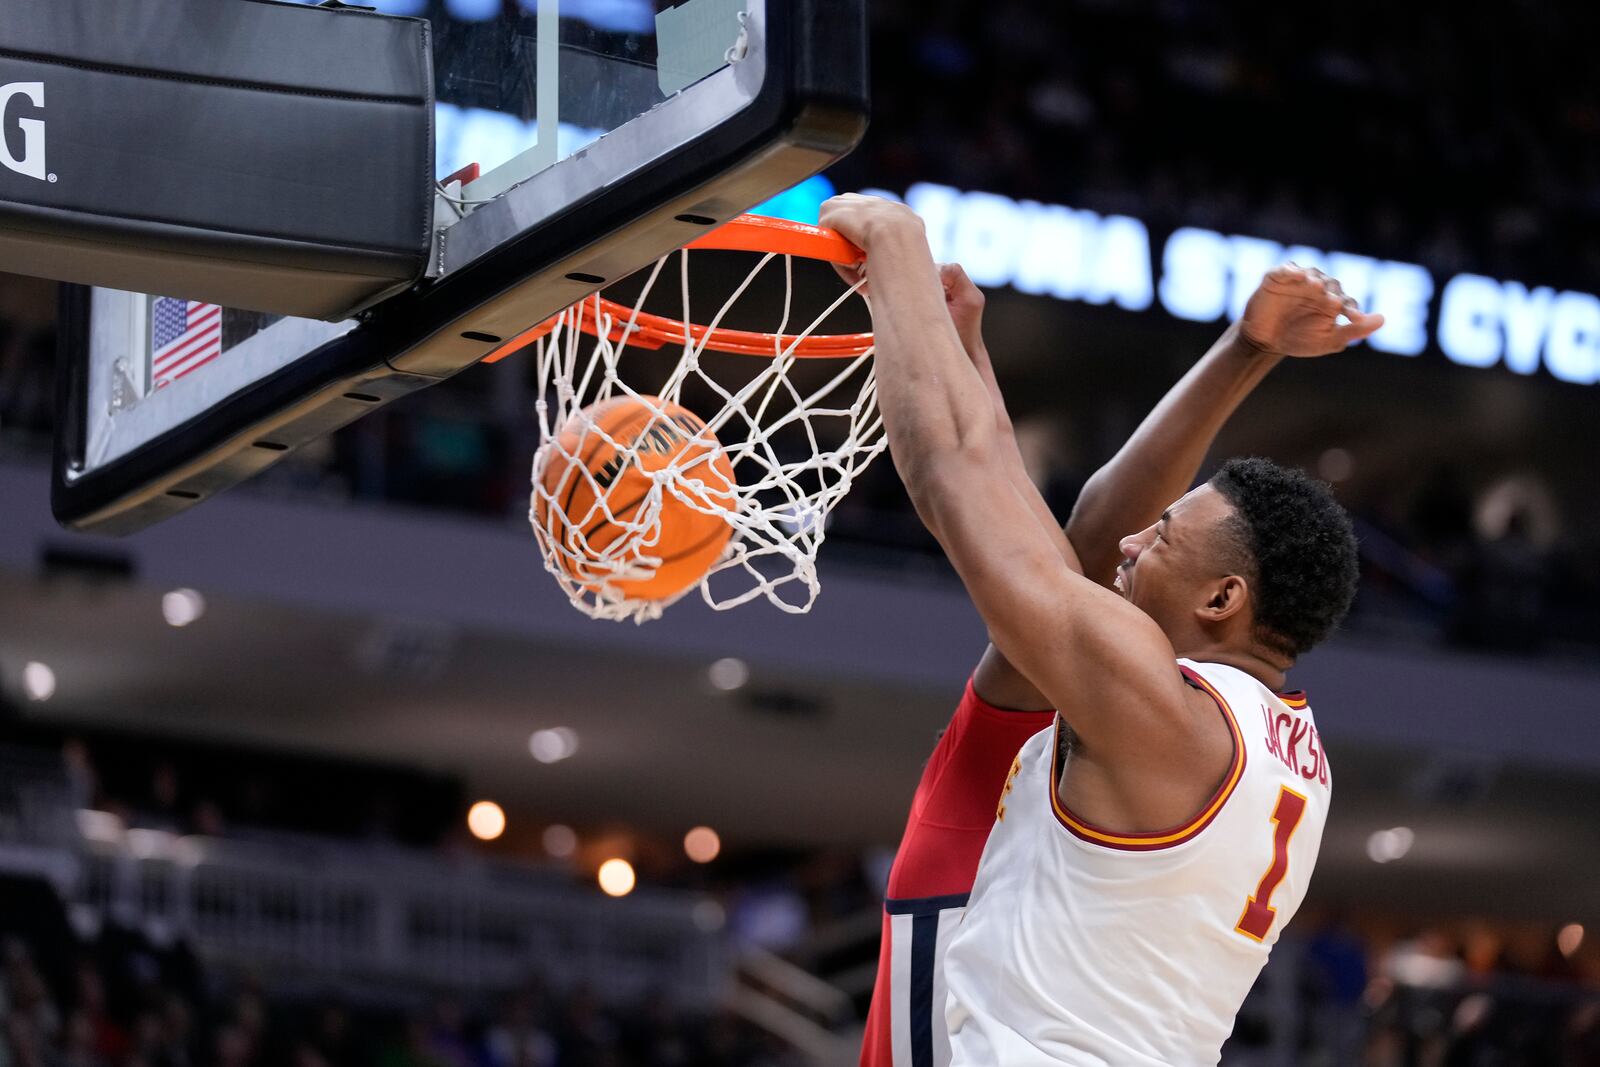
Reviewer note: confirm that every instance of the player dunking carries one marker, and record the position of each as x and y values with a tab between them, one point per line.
1141	850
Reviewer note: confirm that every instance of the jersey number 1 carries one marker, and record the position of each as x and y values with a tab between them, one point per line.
1258	913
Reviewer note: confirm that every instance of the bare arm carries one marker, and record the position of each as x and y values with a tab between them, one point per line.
1293	312
1086	649
995	679
1159	462
964	301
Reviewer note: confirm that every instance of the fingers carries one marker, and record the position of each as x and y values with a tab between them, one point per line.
1288	276
853	274
1305	281
1359	328
857	218
958	286
1294	276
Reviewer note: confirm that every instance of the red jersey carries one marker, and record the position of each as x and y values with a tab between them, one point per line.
951	816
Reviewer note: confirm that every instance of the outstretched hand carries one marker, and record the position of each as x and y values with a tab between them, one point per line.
1296	311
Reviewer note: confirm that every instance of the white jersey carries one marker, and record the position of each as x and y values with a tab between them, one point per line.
1085	947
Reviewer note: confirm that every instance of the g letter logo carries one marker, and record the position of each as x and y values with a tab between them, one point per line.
31	163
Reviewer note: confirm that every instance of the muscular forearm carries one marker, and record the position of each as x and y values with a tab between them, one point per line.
1011	455
1161	459
933	400
995	678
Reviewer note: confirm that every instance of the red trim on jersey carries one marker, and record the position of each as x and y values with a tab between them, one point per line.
1158	839
1296	699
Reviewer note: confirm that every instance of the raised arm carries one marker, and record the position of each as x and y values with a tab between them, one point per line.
1090	652
1294	312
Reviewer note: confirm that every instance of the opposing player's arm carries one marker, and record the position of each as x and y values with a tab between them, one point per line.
1084	647
1294	312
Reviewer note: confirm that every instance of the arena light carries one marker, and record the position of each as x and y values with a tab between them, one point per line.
1569	939
559	841
486	820
702	844
616	877
553	745
38	681
180	607
728	673
1386	846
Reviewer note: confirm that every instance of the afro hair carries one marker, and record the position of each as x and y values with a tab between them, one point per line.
1300	551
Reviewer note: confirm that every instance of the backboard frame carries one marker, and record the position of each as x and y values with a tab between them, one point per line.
497	276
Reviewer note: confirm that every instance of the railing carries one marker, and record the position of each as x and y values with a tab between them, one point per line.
807	1012
375	913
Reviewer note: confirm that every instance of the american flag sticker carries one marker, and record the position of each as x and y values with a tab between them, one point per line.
184	335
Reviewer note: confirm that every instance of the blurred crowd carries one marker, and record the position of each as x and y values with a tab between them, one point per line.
1467	142
216	789
1363	988
120	1001
1462	994
1446	994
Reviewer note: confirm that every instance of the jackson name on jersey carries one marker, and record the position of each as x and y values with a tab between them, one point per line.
1081	946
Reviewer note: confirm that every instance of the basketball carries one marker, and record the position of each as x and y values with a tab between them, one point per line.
593	490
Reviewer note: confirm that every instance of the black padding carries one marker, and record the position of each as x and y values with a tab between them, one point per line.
259	155
239	42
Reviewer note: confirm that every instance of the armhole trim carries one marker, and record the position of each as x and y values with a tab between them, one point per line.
1156	839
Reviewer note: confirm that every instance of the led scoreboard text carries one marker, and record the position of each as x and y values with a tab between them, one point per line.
1205	276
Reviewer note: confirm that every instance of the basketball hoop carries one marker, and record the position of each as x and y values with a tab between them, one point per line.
747	233
795	447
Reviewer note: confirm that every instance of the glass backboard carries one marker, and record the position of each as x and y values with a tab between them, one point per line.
575	141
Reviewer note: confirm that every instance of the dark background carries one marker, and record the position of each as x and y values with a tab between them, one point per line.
379	639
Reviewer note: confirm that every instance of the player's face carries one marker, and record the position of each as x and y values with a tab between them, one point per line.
1167	567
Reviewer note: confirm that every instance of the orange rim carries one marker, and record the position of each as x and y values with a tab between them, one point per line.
757	233
747	233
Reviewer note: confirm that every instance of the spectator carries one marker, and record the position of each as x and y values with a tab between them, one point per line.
519	1038
1504	592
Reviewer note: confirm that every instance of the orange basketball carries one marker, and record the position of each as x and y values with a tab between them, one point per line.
583	471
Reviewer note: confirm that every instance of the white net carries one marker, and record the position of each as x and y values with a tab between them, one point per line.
795	431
